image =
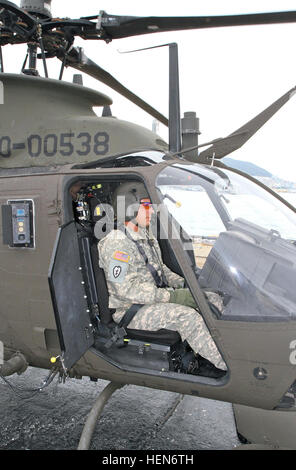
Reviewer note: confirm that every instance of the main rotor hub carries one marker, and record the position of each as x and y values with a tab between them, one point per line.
37	7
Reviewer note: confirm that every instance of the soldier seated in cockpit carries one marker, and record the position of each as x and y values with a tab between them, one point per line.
135	274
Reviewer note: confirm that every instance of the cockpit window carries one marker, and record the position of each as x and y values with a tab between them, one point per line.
213	197
243	239
244	199
193	209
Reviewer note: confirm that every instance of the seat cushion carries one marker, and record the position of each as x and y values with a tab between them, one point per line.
161	336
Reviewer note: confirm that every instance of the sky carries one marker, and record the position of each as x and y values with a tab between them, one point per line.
227	75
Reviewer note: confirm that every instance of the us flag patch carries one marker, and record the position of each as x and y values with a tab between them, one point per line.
121	256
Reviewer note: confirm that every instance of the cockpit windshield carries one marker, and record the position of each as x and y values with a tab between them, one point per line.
209	199
242	240
242	198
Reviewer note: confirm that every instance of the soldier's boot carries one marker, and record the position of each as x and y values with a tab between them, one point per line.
205	368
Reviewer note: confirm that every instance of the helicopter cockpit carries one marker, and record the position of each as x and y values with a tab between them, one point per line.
243	238
247	257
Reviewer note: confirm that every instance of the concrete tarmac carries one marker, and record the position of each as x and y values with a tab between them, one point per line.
135	418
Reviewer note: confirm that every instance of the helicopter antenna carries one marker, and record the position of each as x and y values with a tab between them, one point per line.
213	159
174	95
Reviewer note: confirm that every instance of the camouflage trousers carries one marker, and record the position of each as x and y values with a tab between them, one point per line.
186	320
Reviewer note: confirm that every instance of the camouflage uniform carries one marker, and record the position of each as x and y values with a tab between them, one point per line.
130	282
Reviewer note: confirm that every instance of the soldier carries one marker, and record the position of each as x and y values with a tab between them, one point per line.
136	274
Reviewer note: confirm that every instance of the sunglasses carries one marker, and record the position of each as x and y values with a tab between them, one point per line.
146	204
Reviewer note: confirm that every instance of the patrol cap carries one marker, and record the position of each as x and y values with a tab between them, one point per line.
127	198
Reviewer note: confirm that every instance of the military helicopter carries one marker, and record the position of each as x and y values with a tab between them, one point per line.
58	172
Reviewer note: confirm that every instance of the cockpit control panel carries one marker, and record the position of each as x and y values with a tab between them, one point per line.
18	223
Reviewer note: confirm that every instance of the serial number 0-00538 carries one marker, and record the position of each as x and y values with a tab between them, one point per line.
65	144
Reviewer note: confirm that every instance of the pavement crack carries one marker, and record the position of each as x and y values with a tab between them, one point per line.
169	412
161	422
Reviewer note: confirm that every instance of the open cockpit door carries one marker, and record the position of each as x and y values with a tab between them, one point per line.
69	297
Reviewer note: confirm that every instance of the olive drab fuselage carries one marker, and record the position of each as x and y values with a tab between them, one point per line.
28	321
56	125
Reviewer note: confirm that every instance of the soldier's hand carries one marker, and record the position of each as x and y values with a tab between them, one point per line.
182	297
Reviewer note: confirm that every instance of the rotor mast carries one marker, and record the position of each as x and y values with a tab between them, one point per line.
39	9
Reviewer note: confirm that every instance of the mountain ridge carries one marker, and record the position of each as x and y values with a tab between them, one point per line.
247	167
260	173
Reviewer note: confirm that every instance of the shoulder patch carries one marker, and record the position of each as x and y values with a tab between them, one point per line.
117	271
121	256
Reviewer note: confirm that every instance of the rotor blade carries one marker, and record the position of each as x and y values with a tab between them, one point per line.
244	133
108	27
205	144
117	27
78	60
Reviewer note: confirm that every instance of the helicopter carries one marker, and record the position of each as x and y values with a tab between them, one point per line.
59	171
